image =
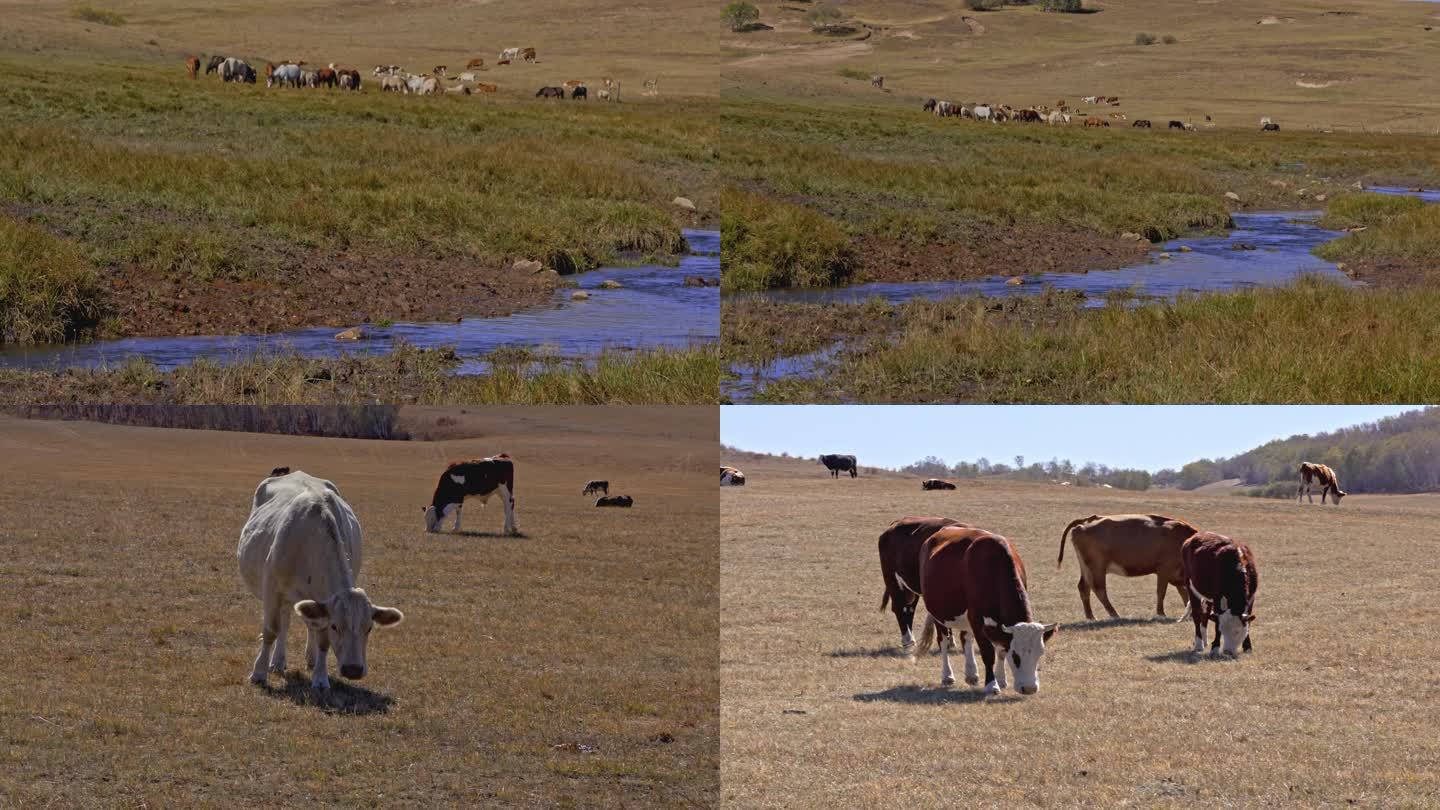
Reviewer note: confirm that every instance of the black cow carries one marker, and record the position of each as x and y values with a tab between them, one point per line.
592	487
1141	123
929	105
1177	124
580	92
838	464
616	500
550	92
1270	127
935	483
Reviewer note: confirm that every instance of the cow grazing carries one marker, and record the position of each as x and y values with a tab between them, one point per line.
623	501
929	105
1141	123
592	487
482	87
1092	121
508	54
440	70
529	55
192	66
580	92
1177	125
550	92
481	477
837	464
1222	578
877	81
900	568
1128	545
1270	127
327	77
300	549
731	477
974	580
935	483
214	64
1312	474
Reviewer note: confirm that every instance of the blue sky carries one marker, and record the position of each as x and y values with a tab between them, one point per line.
1149	437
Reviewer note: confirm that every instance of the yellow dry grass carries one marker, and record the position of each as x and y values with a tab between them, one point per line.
575	39
130	632
1369	64
1337	706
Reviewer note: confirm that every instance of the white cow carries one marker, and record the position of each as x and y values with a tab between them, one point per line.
510	53
983	113
301	548
731	477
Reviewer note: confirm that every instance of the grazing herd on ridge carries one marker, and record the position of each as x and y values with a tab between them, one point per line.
1062	114
974	583
300	551
393	78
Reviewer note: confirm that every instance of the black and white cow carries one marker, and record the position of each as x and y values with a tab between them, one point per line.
592	487
838	464
481	477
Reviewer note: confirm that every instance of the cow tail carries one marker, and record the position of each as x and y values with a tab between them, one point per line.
927	634
1063	535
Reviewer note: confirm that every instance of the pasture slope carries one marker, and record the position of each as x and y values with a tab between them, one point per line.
1336	705
1363	65
570	667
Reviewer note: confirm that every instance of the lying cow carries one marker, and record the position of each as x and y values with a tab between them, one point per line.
1129	545
731	477
616	500
592	487
1141	123
301	549
935	483
976	581
481	477
1312	474
900	568
1222	578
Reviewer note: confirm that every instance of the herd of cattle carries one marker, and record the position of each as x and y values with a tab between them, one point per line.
393	78
974	582
300	550
1062	114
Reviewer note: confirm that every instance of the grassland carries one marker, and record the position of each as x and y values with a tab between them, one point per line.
228	208
407	375
1255	346
818	709
570	667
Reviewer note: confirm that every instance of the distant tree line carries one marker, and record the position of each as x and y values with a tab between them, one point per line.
1089	474
1397	454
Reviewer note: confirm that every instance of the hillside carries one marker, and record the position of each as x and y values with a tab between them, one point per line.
1313	63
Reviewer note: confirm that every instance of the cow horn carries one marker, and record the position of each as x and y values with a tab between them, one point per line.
989	622
1009	628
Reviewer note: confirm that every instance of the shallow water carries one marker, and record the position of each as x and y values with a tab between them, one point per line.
1282	242
654	309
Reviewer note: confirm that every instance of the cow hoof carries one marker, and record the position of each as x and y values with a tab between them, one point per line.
257	678
947	681
973	680
992	688
278	669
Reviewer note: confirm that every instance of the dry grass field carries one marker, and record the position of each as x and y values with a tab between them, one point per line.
570	667
1337	705
1368	64
574	38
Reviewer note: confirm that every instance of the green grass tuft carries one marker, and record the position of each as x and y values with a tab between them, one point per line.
48	290
97	15
766	243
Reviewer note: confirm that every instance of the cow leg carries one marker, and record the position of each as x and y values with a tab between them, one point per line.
1215	645
1197	613
1104	597
971	676
905	617
269	631
277	655
947	675
987	654
320	679
1084	587
1160	584
1246	646
509	504
457	516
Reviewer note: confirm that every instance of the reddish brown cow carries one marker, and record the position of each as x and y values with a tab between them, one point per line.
1129	545
900	567
972	578
1223	578
477	62
482	87
326	77
192	65
1324	476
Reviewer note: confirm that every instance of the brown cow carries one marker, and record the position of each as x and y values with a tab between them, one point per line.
326	77
528	55
900	568
192	66
973	578
1129	545
477	62
1092	121
481	87
1324	476
1223	578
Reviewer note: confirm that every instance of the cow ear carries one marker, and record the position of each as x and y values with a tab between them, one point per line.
989	622
385	616
1050	630
310	610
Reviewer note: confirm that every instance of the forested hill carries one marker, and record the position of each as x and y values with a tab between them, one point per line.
1396	454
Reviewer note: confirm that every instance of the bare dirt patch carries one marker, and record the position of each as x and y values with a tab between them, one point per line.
996	252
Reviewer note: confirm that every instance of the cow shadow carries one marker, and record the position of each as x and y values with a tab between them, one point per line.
1105	624
1188	657
343	697
490	535
869	652
933	696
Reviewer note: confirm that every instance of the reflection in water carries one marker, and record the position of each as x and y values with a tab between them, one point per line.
653	309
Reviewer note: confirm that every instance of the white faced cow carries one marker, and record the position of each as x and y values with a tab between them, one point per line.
1223	578
1312	474
480	477
974	580
301	549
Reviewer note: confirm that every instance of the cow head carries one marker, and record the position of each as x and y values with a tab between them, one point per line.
1021	644
1234	627
1337	494
344	622
433	516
